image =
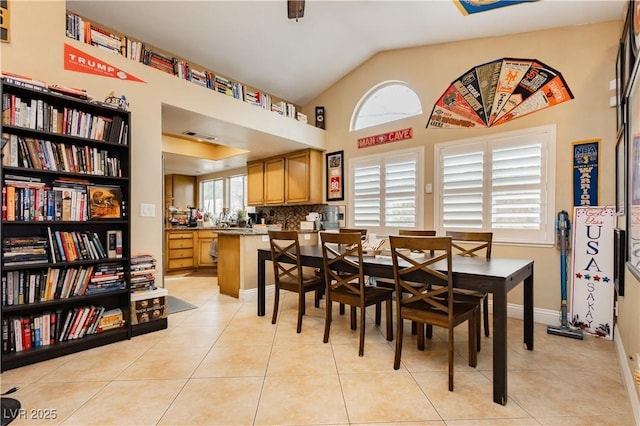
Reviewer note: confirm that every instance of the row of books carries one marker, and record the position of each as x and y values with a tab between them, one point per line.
85	31
42	154
143	268
37	286
21	333
33	201
24	250
37	114
69	246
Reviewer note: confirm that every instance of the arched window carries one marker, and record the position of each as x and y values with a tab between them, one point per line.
385	102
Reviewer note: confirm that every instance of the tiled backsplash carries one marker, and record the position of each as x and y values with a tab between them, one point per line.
289	216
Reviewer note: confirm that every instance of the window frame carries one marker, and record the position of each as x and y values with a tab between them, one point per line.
370	94
417	153
545	236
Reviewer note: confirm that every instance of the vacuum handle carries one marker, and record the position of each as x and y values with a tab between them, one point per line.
563	231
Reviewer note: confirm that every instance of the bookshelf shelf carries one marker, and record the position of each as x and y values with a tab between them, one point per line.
65	185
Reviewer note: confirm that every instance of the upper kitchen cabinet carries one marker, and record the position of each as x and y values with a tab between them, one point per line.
180	191
303	178
294	178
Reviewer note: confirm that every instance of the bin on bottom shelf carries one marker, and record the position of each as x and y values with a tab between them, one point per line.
149	306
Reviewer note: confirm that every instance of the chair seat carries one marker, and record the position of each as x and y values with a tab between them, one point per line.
372	296
421	312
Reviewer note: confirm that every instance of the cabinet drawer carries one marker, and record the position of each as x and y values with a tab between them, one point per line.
180	235
181	263
180	244
180	253
207	234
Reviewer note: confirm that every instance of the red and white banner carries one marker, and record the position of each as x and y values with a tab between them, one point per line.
395	136
592	280
79	61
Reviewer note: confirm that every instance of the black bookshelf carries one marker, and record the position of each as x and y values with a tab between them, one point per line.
84	146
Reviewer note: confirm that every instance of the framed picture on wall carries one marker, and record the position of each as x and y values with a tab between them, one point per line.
621	175
633	176
335	176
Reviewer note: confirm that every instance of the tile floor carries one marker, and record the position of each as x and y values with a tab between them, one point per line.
221	364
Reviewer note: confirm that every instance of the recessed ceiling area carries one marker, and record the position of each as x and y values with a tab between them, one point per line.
234	144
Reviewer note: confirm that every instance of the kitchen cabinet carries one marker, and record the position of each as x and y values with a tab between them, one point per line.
179	249
294	178
255	183
303	182
203	245
180	191
274	181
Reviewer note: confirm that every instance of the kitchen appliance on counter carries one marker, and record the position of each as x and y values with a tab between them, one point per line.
331	217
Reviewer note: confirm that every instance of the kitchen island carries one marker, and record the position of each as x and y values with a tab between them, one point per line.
238	259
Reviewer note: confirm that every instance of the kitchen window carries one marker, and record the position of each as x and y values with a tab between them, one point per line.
385	191
502	183
212	196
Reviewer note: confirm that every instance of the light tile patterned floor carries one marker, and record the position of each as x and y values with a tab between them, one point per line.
221	364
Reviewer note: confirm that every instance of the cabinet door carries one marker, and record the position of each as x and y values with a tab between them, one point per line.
297	184
184	191
274	181
255	183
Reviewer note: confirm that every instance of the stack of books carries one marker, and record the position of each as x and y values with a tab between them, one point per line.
143	268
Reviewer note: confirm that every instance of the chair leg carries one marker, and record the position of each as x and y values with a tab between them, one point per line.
429	332
478	325
378	313
342	309
354	321
316	302
389	320
485	313
473	352
363	313
399	331
276	301
301	309
414	328
421	336
327	320
450	350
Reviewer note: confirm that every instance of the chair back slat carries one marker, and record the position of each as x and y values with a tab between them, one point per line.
471	243
417	232
411	254
285	245
342	258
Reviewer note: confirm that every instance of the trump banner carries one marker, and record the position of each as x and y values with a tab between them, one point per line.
592	284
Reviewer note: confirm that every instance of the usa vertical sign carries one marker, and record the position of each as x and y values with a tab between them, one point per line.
592	287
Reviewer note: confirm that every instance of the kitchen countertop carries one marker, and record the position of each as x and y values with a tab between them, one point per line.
232	231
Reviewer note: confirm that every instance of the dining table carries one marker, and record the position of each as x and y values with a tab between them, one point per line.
496	275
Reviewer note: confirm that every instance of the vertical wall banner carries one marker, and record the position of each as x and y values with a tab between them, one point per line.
585	172
4	21
335	176
592	283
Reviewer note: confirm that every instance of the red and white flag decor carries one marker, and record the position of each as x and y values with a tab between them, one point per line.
592	270
79	61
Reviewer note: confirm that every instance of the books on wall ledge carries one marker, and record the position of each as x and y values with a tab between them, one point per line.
87	32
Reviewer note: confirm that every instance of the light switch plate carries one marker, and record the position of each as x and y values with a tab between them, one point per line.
148	210
265	238
307	236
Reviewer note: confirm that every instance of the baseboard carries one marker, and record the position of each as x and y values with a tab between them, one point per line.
627	376
251	295
542	316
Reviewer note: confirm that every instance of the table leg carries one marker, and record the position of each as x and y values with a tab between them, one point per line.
528	311
499	344
261	284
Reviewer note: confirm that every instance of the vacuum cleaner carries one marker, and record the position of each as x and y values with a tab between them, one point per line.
563	230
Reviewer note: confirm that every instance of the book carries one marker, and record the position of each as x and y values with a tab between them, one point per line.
111	244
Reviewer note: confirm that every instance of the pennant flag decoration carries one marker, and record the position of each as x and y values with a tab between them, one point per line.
499	91
467	7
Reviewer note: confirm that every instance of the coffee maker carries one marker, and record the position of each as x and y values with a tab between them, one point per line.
193	217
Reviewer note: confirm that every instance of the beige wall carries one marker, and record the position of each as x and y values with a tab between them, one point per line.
586	57
584	54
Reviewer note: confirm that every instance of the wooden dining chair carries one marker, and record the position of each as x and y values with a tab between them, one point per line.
288	272
474	244
345	283
432	302
363	236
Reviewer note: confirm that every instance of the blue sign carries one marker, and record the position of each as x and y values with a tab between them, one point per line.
474	6
585	173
